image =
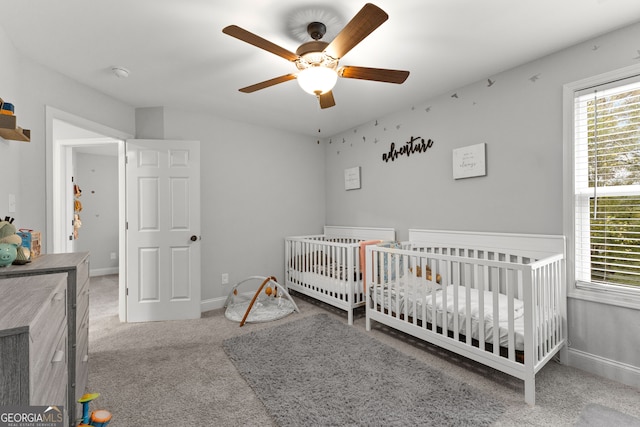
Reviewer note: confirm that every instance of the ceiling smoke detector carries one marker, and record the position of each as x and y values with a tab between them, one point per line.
120	72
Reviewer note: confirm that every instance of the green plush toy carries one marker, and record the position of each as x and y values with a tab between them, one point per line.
8	235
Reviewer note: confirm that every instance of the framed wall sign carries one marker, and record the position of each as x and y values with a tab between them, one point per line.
469	161
352	178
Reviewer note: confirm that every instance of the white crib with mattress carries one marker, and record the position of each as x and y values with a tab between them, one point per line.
499	299
327	266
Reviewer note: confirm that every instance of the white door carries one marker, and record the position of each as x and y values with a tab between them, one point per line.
163	230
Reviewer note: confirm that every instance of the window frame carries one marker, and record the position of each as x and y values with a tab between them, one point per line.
596	292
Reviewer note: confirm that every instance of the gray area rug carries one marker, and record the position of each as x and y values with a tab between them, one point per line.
320	371
595	415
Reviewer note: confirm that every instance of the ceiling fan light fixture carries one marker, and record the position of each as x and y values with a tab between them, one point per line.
317	80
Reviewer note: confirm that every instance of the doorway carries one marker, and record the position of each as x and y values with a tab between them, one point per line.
68	135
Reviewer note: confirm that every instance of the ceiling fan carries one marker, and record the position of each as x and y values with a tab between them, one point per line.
317	61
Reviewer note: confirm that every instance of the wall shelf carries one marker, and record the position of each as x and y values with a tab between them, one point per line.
9	129
17	134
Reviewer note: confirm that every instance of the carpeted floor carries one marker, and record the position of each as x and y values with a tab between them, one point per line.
597	416
178	374
317	371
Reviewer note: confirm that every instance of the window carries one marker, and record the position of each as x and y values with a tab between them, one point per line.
606	186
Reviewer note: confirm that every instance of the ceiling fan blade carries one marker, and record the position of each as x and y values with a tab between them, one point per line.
368	19
326	100
246	36
268	83
375	74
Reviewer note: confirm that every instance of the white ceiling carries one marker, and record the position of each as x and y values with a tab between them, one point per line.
179	57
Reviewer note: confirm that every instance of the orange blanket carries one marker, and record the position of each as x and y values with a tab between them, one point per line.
363	252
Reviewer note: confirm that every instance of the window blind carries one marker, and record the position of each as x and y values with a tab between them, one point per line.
607	183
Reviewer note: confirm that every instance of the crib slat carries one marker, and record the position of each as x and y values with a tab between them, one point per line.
393	277
483	279
511	283
495	290
469	283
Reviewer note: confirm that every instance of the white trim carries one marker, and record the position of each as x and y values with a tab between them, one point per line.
94	272
589	292
364	233
607	368
212	304
52	155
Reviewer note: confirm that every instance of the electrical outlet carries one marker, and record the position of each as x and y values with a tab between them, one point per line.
12	203
225	278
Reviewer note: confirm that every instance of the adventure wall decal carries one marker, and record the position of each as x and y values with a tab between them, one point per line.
410	147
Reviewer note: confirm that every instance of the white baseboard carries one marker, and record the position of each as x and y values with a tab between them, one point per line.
103	271
215	303
212	304
607	368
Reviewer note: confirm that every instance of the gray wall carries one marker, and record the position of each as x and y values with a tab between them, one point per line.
97	176
520	118
10	150
32	87
258	186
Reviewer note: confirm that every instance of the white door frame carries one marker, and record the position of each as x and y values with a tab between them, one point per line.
57	164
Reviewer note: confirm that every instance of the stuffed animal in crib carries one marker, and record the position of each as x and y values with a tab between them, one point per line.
428	273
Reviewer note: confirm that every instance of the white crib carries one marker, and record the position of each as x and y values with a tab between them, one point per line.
460	289
327	266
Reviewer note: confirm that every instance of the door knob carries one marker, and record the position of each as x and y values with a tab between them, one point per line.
194	238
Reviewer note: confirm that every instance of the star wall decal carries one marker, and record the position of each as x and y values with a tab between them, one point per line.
534	78
455	95
490	82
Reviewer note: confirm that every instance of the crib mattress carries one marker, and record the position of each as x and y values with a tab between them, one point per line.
322	282
411	292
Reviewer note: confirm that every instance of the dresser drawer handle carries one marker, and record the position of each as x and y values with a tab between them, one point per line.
58	356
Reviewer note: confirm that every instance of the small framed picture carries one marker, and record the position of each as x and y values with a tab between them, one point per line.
352	178
469	161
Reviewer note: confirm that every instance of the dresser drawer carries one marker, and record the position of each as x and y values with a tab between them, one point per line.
45	329
82	306
48	380
82	369
82	329
82	273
